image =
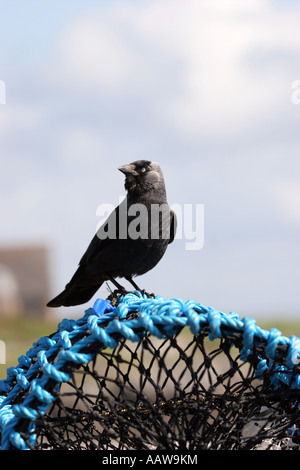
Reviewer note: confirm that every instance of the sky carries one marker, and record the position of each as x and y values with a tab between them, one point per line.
205	88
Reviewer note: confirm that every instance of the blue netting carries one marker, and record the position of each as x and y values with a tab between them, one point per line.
107	324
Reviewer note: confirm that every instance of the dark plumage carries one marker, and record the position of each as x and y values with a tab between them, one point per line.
130	242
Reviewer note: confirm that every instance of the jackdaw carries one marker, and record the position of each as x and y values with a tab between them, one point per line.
132	240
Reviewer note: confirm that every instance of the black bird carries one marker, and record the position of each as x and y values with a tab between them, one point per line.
132	240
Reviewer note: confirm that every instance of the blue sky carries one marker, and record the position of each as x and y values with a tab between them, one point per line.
204	88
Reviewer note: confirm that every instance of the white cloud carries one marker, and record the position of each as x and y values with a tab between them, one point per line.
221	89
203	65
92	52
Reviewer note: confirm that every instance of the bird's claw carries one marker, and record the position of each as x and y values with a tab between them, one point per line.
150	296
115	295
120	292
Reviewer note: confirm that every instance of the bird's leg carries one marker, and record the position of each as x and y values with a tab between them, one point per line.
120	288
129	278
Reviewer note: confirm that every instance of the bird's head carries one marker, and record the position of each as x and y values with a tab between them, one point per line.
143	176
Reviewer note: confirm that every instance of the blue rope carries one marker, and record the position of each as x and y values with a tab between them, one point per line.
161	318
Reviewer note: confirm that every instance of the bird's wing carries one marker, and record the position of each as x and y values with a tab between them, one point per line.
104	236
173	226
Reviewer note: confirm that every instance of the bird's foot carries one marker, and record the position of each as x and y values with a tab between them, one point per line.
120	292
144	292
115	295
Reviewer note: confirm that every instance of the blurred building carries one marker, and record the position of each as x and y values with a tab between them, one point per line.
24	280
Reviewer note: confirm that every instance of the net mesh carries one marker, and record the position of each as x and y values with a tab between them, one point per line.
154	374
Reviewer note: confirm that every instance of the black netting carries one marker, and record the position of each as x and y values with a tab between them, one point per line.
174	394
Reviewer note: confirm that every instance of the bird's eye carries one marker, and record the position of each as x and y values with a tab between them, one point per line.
143	170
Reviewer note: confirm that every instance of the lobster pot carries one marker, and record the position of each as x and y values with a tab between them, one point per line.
140	373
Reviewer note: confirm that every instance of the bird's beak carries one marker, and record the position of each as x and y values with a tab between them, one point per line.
128	169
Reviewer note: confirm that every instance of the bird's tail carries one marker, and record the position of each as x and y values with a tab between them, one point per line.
73	295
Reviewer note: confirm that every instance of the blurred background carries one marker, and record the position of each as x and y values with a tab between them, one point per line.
203	87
